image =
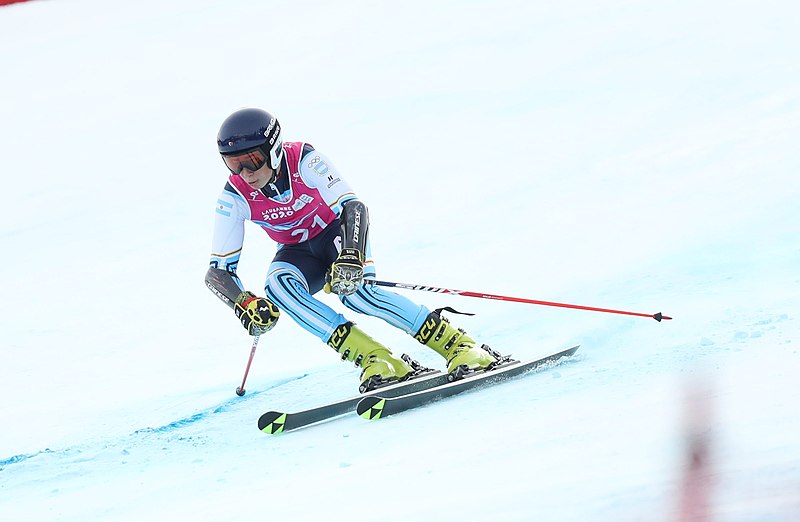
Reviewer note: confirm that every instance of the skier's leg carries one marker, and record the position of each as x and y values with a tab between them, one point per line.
379	365
286	286
395	309
458	348
288	289
429	328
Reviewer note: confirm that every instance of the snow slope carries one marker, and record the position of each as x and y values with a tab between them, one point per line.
629	155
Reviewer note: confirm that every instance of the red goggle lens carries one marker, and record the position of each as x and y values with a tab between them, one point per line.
253	160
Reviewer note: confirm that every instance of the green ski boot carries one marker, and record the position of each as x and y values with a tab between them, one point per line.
379	365
458	348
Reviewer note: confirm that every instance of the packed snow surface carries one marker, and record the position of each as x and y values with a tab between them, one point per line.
638	156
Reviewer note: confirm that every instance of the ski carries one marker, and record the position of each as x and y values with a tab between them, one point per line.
377	406
275	422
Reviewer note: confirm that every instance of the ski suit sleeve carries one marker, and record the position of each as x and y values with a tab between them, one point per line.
355	226
226	246
318	172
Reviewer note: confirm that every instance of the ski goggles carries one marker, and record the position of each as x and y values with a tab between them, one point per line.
252	160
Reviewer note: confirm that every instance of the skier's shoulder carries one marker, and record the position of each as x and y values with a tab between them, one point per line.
315	166
232	203
307	149
296	152
229	190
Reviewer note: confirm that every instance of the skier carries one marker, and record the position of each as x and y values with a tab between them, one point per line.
297	196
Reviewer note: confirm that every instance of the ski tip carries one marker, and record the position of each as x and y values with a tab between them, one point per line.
272	422
370	408
659	317
563	353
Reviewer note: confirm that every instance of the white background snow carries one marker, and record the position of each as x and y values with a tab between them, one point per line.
632	155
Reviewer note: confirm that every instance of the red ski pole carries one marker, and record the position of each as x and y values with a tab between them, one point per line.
658	317
240	390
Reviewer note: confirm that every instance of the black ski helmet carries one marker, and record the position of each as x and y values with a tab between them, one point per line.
249	129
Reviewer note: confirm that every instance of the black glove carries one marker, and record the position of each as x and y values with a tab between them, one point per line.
257	314
346	273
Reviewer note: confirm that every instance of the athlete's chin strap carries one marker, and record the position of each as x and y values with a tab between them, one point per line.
276	175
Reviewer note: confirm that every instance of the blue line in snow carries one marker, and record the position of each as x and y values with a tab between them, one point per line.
181	423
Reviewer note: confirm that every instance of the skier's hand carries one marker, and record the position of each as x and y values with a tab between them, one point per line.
346	273
257	314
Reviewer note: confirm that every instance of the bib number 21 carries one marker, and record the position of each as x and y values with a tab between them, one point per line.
304	233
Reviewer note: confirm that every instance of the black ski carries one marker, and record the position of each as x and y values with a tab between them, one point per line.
377	405
275	422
